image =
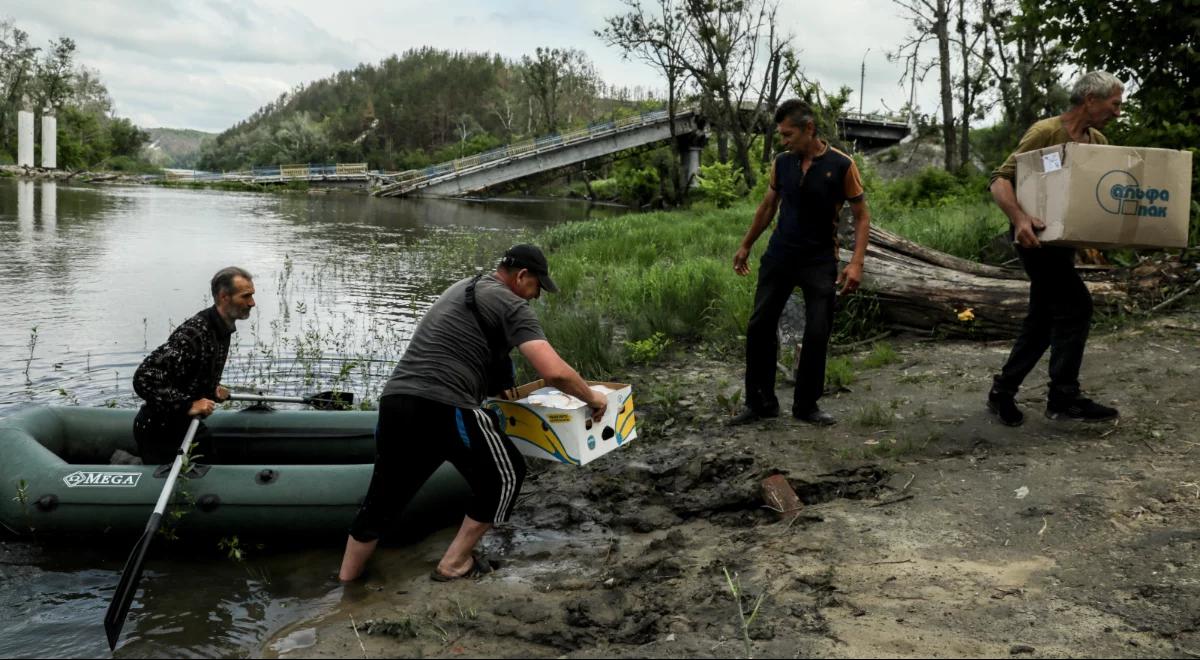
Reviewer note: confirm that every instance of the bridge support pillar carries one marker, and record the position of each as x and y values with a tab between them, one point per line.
689	147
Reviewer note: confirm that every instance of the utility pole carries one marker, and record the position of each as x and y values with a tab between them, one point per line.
861	79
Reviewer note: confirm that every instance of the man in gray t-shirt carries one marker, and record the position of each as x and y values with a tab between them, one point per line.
430	411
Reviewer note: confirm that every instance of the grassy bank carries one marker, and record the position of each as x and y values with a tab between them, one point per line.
640	284
632	278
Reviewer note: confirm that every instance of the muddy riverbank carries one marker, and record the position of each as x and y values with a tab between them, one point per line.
928	530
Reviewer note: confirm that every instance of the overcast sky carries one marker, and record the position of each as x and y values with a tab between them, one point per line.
207	64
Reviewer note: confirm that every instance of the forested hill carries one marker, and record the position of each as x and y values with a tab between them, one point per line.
174	147
421	107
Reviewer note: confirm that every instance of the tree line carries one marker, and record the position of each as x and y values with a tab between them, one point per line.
47	78
424	106
1017	56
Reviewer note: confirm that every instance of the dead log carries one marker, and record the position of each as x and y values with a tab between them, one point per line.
920	288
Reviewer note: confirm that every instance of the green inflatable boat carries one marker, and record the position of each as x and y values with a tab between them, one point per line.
282	472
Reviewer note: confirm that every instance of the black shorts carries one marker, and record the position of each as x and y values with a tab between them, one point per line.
414	437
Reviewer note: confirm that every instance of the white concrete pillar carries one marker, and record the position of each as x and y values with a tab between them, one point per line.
49	205
25	138
49	141
692	165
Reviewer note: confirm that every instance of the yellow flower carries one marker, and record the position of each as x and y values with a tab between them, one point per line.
967	314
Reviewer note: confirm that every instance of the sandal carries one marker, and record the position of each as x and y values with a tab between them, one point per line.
480	566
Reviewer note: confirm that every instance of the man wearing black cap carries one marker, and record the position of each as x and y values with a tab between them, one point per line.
430	410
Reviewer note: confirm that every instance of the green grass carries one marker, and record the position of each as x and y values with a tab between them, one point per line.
873	415
961	228
667	273
882	354
839	373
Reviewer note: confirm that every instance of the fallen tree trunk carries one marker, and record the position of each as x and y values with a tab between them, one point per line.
922	289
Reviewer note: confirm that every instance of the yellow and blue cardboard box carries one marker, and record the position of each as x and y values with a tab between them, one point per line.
566	435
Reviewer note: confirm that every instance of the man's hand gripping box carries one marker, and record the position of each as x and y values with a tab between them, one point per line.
545	423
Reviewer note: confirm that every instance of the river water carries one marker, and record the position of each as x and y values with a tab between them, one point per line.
94	278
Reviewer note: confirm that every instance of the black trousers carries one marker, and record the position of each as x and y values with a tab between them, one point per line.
414	437
1060	316
158	439
776	281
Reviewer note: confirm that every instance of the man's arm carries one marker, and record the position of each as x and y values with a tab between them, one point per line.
1001	187
762	219
557	373
1024	225
851	275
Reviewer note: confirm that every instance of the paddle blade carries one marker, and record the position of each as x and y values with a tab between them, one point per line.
331	400
114	618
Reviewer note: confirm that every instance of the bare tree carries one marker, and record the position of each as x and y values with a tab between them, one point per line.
782	68
1022	65
931	20
55	73
657	38
722	53
974	50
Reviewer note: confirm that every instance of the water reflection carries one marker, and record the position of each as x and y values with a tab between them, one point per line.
49	206
25	209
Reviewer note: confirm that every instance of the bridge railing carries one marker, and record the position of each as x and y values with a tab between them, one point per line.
413	178
285	172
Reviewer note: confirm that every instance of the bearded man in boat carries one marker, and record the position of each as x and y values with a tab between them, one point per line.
431	409
181	379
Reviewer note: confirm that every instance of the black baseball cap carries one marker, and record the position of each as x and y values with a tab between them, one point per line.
530	257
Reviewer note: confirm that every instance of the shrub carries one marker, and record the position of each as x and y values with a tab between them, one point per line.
719	183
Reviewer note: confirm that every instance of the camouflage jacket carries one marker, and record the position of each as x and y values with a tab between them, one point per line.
186	368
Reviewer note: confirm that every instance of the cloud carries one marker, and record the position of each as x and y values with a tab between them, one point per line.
207	65
247	31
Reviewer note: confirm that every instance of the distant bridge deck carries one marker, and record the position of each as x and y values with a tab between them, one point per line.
279	174
478	172
472	174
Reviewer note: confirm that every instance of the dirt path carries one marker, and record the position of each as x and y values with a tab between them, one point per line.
929	529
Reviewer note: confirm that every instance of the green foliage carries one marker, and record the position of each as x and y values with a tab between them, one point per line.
947	212
131	165
233	548
637	186
646	350
720	183
882	354
839	374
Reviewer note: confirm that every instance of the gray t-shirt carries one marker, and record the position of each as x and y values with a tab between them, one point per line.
446	360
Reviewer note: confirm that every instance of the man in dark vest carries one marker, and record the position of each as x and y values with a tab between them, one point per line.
430	411
810	182
181	379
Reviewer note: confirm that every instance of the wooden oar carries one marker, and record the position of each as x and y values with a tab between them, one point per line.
114	618
321	400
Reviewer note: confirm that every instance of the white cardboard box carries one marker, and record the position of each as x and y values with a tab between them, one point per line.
567	435
1104	196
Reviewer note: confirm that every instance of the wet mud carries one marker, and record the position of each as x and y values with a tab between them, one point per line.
928	529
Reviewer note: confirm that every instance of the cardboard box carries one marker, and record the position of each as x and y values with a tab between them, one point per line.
567	434
1105	196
